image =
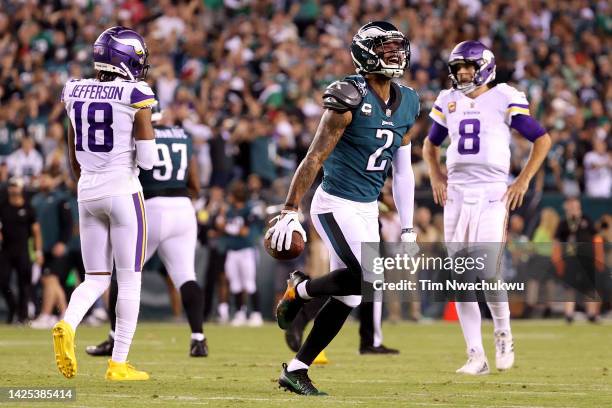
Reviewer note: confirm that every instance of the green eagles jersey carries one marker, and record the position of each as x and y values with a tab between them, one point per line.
251	216
53	215
357	167
169	174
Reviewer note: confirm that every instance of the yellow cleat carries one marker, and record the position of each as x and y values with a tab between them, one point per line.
321	358
124	372
63	345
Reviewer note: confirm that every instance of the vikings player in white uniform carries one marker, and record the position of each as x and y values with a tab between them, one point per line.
478	117
109	138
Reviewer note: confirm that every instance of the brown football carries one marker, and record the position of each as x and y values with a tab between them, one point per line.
297	246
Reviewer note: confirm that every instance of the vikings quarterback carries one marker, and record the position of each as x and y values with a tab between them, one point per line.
109	138
364	130
478	117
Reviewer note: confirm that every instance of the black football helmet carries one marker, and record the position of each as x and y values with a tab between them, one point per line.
373	42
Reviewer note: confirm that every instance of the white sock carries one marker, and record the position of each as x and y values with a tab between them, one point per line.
223	310
296	365
469	317
500	312
197	336
301	290
128	306
84	296
111	334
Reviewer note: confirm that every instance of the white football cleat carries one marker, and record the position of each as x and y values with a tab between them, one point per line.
43	321
504	350
239	319
255	320
223	311
477	364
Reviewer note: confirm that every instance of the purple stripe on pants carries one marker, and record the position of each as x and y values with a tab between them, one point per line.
140	238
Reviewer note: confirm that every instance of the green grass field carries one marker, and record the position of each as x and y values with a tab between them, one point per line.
557	366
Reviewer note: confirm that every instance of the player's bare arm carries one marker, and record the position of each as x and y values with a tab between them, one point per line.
193	178
38	243
431	155
143	128
516	191
328	133
74	164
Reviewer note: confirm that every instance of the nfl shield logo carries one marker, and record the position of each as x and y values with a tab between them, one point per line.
451	107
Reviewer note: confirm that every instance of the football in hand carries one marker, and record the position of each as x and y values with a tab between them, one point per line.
297	245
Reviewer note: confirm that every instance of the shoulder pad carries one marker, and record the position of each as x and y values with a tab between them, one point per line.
508	89
344	95
445	92
360	82
511	93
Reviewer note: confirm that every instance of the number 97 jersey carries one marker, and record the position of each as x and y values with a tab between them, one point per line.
169	176
479	132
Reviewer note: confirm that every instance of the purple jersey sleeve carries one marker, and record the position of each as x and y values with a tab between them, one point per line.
527	126
437	134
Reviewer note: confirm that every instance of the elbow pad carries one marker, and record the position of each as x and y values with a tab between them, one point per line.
146	153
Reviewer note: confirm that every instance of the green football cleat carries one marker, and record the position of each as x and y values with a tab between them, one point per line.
291	303
298	382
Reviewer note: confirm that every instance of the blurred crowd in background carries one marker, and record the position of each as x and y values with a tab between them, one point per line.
245	79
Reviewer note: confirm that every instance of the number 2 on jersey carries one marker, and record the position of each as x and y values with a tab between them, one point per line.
372	165
469	142
94	125
164	162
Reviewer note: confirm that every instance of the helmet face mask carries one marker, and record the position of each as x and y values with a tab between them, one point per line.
480	57
122	51
380	48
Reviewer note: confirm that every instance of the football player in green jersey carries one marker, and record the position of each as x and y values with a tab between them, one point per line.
364	130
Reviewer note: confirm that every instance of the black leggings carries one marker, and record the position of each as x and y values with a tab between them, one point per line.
216	266
18	261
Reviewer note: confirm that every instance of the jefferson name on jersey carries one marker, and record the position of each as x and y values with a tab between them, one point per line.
357	167
102	116
97	91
